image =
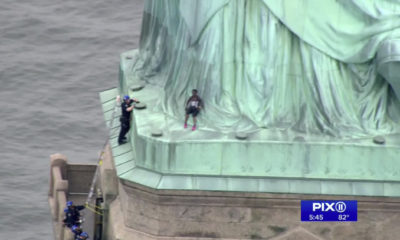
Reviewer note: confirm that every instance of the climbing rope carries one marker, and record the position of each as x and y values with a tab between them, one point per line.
92	209
100	161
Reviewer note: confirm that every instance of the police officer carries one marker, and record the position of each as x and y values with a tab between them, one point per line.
126	109
77	230
72	214
82	236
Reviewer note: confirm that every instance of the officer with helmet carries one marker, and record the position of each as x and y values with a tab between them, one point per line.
126	109
72	214
82	236
77	230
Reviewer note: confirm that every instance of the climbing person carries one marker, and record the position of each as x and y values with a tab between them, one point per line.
193	106
126	109
72	214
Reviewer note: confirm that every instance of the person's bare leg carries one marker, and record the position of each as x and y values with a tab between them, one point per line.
194	123
186	119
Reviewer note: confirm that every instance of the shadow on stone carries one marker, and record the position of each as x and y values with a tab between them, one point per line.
277	229
198	234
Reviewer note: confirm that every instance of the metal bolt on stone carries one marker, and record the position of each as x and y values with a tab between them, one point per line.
137	86
156	132
379	140
140	106
241	135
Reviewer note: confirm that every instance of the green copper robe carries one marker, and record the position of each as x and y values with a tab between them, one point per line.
325	67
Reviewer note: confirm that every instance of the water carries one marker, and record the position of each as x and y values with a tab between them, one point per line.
55	56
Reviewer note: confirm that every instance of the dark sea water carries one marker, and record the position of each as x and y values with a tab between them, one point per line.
55	56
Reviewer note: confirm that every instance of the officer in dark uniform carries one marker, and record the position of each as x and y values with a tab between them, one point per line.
72	214
126	107
83	236
77	230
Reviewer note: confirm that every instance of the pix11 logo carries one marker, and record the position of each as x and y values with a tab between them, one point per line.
326	206
327	210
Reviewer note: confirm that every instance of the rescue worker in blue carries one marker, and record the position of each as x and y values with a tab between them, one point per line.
72	214
77	230
82	236
126	109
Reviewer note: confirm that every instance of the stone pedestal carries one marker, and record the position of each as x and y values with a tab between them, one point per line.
144	213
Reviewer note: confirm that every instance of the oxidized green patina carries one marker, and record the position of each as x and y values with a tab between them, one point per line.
309	82
318	67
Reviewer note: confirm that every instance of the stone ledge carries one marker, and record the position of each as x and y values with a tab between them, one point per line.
182	197
144	213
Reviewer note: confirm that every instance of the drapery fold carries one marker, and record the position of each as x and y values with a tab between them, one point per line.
319	67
